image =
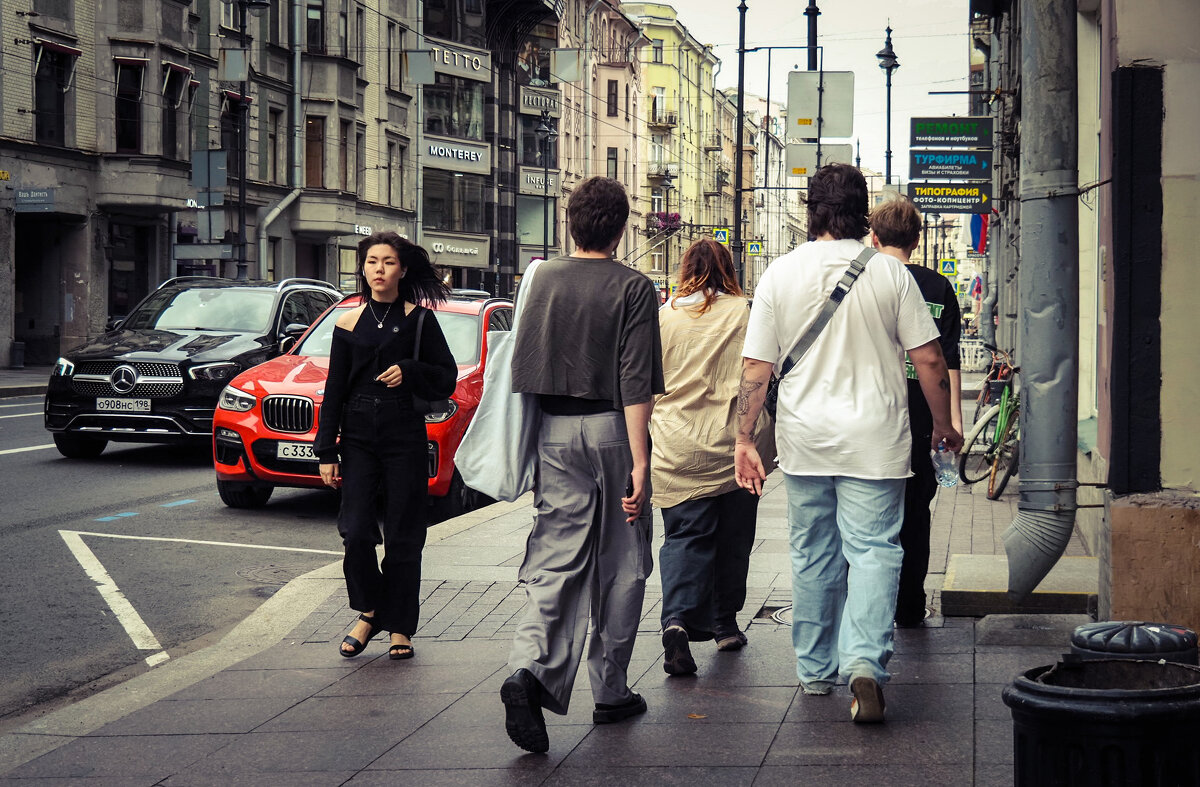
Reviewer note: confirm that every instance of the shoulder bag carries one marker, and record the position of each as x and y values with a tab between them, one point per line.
810	336
425	406
498	454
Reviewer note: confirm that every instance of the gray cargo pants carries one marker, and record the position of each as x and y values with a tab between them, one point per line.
582	557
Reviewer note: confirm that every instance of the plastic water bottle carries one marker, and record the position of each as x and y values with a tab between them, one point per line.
945	468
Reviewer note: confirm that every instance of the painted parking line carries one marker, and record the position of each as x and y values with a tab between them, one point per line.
127	616
30	448
22	415
115	517
131	621
176	503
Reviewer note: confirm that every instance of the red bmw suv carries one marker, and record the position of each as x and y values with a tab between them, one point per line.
266	419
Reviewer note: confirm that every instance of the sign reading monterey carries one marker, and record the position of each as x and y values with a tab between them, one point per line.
457	155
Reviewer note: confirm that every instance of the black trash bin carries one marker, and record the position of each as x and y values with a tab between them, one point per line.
1116	639
1107	722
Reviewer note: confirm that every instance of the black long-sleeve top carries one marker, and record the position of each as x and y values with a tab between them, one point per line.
357	357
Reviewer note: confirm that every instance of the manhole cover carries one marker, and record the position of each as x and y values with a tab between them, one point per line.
779	614
271	574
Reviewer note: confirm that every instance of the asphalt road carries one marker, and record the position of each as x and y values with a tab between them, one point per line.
112	565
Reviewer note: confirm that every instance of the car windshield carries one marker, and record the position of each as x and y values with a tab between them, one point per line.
461	331
205	309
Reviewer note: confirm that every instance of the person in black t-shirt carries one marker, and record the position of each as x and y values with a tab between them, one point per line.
380	460
895	229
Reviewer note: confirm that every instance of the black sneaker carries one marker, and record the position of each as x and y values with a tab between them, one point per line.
677	656
521	694
607	714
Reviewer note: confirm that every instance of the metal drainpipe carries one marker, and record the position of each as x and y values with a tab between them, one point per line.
297	142
1049	294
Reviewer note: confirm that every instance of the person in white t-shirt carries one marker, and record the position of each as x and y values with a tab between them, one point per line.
842	434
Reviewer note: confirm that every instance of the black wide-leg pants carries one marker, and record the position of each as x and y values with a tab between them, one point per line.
384	487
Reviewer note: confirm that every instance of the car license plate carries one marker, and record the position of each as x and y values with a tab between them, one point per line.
295	451
112	404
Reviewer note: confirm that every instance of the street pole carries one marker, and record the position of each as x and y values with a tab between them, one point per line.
812	12
546	132
889	63
243	132
736	245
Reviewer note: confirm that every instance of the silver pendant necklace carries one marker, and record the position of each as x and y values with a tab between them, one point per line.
379	320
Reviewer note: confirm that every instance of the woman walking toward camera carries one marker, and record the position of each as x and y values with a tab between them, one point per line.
708	521
380	460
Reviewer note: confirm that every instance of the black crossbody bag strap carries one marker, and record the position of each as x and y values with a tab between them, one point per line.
835	299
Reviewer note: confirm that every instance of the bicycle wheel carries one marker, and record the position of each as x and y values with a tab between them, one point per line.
975	459
1005	461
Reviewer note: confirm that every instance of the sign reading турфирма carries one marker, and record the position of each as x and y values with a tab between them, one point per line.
975	132
950	164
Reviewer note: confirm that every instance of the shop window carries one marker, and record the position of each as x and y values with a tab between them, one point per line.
454	202
536	220
454	107
531	149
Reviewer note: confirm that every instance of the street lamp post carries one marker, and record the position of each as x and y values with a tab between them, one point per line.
889	63
546	133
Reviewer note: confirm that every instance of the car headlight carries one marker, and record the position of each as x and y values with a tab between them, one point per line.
235	400
440	416
63	368
214	372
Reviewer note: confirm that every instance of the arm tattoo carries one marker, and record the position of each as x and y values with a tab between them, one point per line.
944	383
745	389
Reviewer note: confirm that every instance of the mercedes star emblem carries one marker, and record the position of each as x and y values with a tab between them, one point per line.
123	379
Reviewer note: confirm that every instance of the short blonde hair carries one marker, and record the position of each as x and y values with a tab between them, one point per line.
897	223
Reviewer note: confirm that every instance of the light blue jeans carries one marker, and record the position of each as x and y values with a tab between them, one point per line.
846	560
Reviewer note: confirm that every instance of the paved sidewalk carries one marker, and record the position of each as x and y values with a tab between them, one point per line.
273	703
24	382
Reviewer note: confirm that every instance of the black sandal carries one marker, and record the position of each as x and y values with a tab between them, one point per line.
355	644
398	652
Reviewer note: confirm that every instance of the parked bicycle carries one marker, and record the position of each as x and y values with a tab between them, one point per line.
999	369
992	448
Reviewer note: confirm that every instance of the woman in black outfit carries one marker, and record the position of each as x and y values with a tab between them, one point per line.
373	375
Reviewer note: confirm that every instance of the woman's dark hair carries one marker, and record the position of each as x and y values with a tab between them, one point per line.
837	202
422	284
896	222
706	266
597	212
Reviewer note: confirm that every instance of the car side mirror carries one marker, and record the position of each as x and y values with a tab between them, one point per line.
286	343
113	324
290	335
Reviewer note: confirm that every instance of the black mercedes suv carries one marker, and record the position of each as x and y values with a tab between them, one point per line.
155	376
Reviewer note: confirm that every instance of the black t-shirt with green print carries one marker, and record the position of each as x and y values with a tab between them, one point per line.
939	294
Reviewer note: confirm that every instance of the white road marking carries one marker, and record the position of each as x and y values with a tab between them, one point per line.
22	415
127	616
205	543
23	404
30	448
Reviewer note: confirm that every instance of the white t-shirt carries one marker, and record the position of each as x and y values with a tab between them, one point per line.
843	410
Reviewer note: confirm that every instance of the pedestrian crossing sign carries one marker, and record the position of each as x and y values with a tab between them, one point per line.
949	266
754	247
721	235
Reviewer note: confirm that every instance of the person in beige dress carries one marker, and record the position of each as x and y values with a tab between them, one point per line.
708	521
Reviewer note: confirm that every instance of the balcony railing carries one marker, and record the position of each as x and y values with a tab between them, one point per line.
660	221
713	142
662	118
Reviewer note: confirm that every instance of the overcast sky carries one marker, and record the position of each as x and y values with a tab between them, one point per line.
929	37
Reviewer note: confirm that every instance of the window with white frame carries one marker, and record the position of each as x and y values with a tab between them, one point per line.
54	73
127	136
